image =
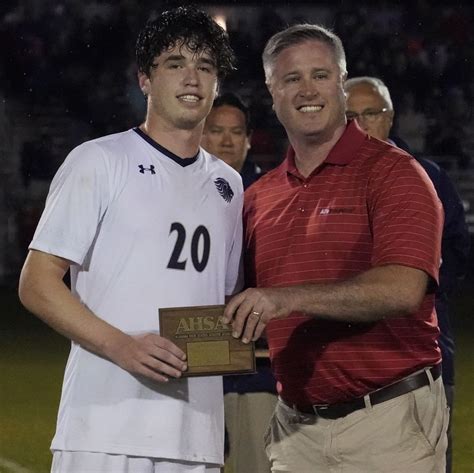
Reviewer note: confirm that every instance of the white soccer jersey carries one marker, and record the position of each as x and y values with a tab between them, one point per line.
144	230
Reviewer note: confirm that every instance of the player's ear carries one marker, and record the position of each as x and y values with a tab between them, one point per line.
144	83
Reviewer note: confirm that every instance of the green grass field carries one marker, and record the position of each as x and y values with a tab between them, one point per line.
32	364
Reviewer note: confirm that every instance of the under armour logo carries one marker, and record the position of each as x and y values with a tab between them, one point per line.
143	168
224	189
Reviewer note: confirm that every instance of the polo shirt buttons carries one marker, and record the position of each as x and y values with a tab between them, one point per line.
305	186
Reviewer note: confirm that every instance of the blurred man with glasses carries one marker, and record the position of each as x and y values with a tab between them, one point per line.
369	102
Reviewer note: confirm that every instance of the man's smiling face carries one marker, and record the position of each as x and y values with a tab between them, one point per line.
306	85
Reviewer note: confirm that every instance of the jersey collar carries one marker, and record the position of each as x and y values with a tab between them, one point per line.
181	161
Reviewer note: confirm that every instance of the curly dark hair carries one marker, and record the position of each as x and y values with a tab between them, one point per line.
189	27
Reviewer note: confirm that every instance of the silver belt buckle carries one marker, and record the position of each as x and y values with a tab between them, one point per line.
318	407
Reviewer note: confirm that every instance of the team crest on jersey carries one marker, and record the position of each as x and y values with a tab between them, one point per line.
224	189
142	169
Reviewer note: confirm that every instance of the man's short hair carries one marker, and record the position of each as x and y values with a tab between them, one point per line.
298	34
187	27
375	82
233	100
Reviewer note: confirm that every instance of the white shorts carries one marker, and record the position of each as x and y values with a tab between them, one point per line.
91	462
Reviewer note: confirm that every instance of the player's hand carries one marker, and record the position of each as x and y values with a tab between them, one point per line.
251	310
151	356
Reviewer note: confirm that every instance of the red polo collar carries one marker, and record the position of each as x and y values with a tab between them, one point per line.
343	152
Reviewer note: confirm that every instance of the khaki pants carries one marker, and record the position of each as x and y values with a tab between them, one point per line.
247	417
406	434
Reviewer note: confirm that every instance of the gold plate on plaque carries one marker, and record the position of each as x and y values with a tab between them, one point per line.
207	341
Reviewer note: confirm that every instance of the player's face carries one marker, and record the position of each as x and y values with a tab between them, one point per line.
373	116
306	85
181	88
225	135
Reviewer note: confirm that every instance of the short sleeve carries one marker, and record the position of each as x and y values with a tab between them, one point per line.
406	215
75	206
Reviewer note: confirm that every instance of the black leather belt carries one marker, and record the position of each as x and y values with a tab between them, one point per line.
404	386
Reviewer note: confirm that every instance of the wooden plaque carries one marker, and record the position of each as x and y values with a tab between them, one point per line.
208	343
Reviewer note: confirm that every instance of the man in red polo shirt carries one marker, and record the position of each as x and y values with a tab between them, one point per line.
342	256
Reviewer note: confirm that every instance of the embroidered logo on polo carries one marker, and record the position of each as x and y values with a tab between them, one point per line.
224	189
151	169
336	210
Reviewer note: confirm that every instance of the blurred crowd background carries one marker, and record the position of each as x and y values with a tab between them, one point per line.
67	74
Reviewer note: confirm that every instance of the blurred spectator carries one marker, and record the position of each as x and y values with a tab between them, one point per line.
227	135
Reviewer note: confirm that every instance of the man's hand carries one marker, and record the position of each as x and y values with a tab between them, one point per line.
251	310
150	355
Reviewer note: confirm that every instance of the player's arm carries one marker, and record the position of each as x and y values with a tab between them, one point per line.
381	292
43	292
